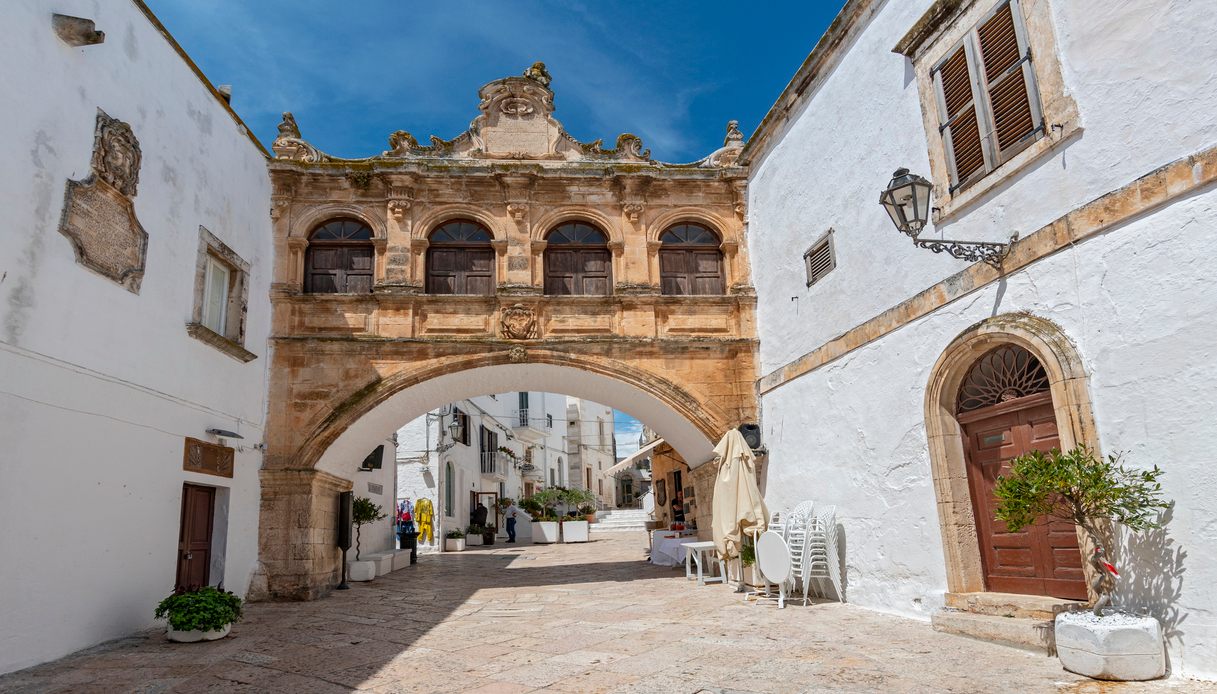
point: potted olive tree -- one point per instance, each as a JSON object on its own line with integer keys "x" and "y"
{"x": 545, "y": 528}
{"x": 1094, "y": 494}
{"x": 576, "y": 529}
{"x": 363, "y": 512}
{"x": 205, "y": 614}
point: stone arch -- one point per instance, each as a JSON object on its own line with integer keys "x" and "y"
{"x": 376, "y": 410}
{"x": 1071, "y": 402}
{"x": 690, "y": 214}
{"x": 317, "y": 215}
{"x": 437, "y": 216}
{"x": 558, "y": 216}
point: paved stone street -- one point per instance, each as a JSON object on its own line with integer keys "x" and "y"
{"x": 558, "y": 618}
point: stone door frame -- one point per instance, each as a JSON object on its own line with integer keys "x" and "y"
{"x": 1074, "y": 417}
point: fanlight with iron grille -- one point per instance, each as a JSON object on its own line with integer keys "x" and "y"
{"x": 1002, "y": 374}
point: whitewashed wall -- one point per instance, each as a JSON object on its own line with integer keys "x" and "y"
{"x": 99, "y": 386}
{"x": 1137, "y": 300}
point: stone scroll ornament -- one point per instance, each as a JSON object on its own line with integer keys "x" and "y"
{"x": 518, "y": 323}
{"x": 99, "y": 212}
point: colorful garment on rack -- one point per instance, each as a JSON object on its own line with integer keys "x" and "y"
{"x": 424, "y": 517}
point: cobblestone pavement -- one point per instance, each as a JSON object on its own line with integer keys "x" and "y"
{"x": 558, "y": 618}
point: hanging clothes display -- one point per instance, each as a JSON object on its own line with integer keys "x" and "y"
{"x": 405, "y": 516}
{"x": 424, "y": 518}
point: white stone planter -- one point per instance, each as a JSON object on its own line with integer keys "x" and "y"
{"x": 361, "y": 570}
{"x": 545, "y": 532}
{"x": 473, "y": 540}
{"x": 195, "y": 635}
{"x": 1112, "y": 647}
{"x": 454, "y": 544}
{"x": 574, "y": 531}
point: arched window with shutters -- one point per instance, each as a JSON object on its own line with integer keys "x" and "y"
{"x": 339, "y": 258}
{"x": 577, "y": 261}
{"x": 460, "y": 259}
{"x": 690, "y": 262}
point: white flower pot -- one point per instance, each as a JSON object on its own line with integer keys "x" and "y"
{"x": 545, "y": 532}
{"x": 1115, "y": 646}
{"x": 454, "y": 544}
{"x": 574, "y": 531}
{"x": 473, "y": 540}
{"x": 195, "y": 635}
{"x": 361, "y": 570}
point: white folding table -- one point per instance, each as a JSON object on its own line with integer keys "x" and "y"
{"x": 695, "y": 553}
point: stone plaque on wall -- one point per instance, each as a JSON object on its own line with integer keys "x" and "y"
{"x": 98, "y": 212}
{"x": 208, "y": 458}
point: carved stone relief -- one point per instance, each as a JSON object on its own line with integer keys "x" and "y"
{"x": 98, "y": 213}
{"x": 519, "y": 323}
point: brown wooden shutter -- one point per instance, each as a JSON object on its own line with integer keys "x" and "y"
{"x": 961, "y": 130}
{"x": 1008, "y": 86}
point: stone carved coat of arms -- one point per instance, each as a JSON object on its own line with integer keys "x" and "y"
{"x": 518, "y": 323}
{"x": 98, "y": 212}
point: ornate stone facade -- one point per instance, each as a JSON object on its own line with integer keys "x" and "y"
{"x": 517, "y": 173}
{"x": 98, "y": 212}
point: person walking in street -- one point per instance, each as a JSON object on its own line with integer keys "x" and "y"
{"x": 512, "y": 512}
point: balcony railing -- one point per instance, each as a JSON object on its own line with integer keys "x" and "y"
{"x": 494, "y": 463}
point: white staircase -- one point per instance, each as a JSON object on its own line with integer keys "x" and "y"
{"x": 621, "y": 520}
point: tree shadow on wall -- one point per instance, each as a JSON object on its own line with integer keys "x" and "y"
{"x": 1151, "y": 566}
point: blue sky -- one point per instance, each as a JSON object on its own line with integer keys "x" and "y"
{"x": 670, "y": 72}
{"x": 352, "y": 72}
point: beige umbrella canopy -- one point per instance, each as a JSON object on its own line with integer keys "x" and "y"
{"x": 737, "y": 499}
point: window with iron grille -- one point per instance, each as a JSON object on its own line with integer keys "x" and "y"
{"x": 488, "y": 445}
{"x": 820, "y": 259}
{"x": 988, "y": 103}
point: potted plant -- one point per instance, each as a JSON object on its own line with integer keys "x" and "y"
{"x": 473, "y": 535}
{"x": 545, "y": 528}
{"x": 454, "y": 541}
{"x": 363, "y": 511}
{"x": 205, "y": 614}
{"x": 1094, "y": 494}
{"x": 488, "y": 534}
{"x": 589, "y": 513}
{"x": 747, "y": 559}
{"x": 576, "y": 529}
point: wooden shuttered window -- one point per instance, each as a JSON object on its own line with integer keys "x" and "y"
{"x": 987, "y": 101}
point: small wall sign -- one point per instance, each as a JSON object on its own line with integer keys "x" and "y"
{"x": 208, "y": 458}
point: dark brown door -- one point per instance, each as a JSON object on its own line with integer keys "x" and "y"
{"x": 577, "y": 271}
{"x": 457, "y": 270}
{"x": 339, "y": 269}
{"x": 685, "y": 272}
{"x": 194, "y": 539}
{"x": 1041, "y": 559}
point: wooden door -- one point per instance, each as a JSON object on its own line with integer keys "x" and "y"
{"x": 339, "y": 269}
{"x": 1041, "y": 559}
{"x": 577, "y": 271}
{"x": 456, "y": 270}
{"x": 689, "y": 272}
{"x": 194, "y": 537}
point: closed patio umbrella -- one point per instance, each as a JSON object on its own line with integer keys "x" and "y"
{"x": 737, "y": 499}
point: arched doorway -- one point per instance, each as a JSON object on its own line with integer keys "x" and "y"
{"x": 1005, "y": 409}
{"x": 1007, "y": 385}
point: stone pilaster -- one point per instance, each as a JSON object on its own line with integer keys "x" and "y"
{"x": 298, "y": 533}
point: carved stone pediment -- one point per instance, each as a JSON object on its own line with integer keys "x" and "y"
{"x": 98, "y": 212}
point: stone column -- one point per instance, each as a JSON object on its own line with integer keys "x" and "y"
{"x": 298, "y": 533}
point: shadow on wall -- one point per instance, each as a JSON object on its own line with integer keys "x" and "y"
{"x": 1151, "y": 577}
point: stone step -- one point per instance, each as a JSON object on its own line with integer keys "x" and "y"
{"x": 1020, "y": 632}
{"x": 1011, "y": 605}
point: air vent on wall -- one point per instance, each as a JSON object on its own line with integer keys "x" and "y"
{"x": 820, "y": 259}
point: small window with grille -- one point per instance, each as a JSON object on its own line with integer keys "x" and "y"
{"x": 820, "y": 259}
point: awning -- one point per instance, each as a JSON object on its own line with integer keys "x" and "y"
{"x": 628, "y": 462}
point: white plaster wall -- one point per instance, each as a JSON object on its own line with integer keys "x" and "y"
{"x": 1151, "y": 105}
{"x": 1138, "y": 303}
{"x": 99, "y": 386}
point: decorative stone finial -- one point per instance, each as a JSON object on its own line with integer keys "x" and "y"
{"x": 288, "y": 127}
{"x": 734, "y": 136}
{"x": 538, "y": 73}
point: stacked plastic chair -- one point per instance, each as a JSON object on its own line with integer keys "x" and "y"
{"x": 811, "y": 536}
